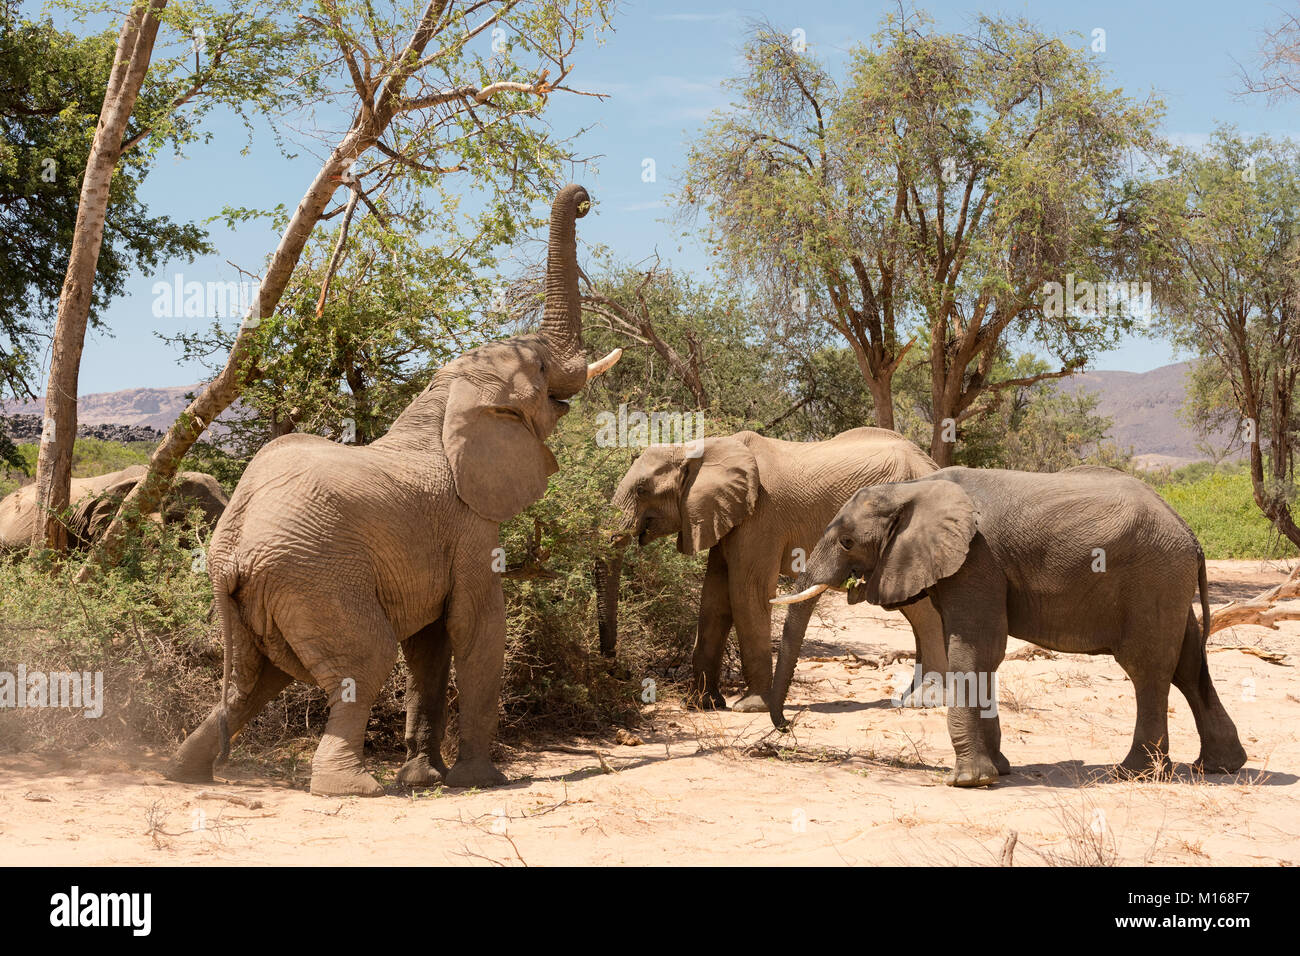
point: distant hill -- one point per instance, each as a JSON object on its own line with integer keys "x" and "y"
{"x": 152, "y": 407}
{"x": 1145, "y": 408}
{"x": 137, "y": 407}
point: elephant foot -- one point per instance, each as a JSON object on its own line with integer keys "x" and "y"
{"x": 193, "y": 760}
{"x": 475, "y": 773}
{"x": 1002, "y": 763}
{"x": 189, "y": 772}
{"x": 344, "y": 784}
{"x": 705, "y": 700}
{"x": 976, "y": 772}
{"x": 750, "y": 704}
{"x": 420, "y": 772}
{"x": 1142, "y": 763}
{"x": 1225, "y": 759}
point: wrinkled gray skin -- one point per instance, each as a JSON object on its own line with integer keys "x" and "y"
{"x": 332, "y": 559}
{"x": 751, "y": 502}
{"x": 95, "y": 500}
{"x": 1001, "y": 552}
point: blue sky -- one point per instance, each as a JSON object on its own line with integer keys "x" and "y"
{"x": 664, "y": 67}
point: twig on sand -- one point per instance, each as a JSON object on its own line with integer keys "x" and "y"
{"x": 230, "y": 798}
{"x": 1008, "y": 849}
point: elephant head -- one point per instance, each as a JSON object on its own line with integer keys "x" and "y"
{"x": 887, "y": 544}
{"x": 194, "y": 489}
{"x": 698, "y": 491}
{"x": 503, "y": 399}
{"x": 91, "y": 514}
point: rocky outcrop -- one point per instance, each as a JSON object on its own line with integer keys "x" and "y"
{"x": 25, "y": 429}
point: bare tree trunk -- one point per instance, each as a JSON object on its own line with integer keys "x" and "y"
{"x": 882, "y": 397}
{"x": 368, "y": 125}
{"x": 54, "y": 464}
{"x": 605, "y": 574}
{"x": 221, "y": 392}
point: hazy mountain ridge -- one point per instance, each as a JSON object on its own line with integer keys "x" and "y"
{"x": 152, "y": 407}
{"x": 1146, "y": 411}
{"x": 1144, "y": 407}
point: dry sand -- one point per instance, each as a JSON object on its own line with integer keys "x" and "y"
{"x": 860, "y": 782}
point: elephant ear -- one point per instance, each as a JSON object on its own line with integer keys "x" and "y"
{"x": 933, "y": 524}
{"x": 92, "y": 513}
{"x": 719, "y": 490}
{"x": 500, "y": 467}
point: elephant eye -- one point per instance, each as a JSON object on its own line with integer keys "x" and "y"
{"x": 846, "y": 543}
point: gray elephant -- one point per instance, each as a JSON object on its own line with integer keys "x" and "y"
{"x": 94, "y": 502}
{"x": 758, "y": 505}
{"x": 1084, "y": 561}
{"x": 331, "y": 557}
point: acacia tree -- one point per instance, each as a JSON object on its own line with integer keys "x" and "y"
{"x": 238, "y": 55}
{"x": 431, "y": 107}
{"x": 1229, "y": 243}
{"x": 928, "y": 201}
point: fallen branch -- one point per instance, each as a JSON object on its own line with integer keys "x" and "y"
{"x": 1262, "y": 610}
{"x": 1269, "y": 656}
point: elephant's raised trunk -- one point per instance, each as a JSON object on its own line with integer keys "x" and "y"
{"x": 562, "y": 315}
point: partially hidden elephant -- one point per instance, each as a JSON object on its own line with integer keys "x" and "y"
{"x": 758, "y": 505}
{"x": 94, "y": 501}
{"x": 332, "y": 557}
{"x": 1084, "y": 561}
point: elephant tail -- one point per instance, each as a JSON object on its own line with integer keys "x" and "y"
{"x": 1206, "y": 684}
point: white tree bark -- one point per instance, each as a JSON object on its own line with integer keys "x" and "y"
{"x": 54, "y": 463}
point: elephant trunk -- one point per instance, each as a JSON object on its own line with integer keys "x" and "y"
{"x": 562, "y": 315}
{"x": 823, "y": 571}
{"x": 796, "y": 623}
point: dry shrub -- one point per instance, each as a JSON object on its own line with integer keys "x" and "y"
{"x": 147, "y": 627}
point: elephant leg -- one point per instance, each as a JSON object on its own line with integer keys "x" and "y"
{"x": 711, "y": 635}
{"x": 428, "y": 662}
{"x": 1150, "y": 749}
{"x": 192, "y": 763}
{"x": 972, "y": 660}
{"x": 750, "y": 591}
{"x": 1221, "y": 750}
{"x": 992, "y": 727}
{"x": 931, "y": 656}
{"x": 352, "y": 674}
{"x": 990, "y": 721}
{"x": 476, "y": 622}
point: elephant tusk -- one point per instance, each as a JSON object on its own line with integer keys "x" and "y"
{"x": 601, "y": 366}
{"x": 804, "y": 595}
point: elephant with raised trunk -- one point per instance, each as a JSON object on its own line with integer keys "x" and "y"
{"x": 95, "y": 500}
{"x": 1084, "y": 561}
{"x": 758, "y": 505}
{"x": 332, "y": 559}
